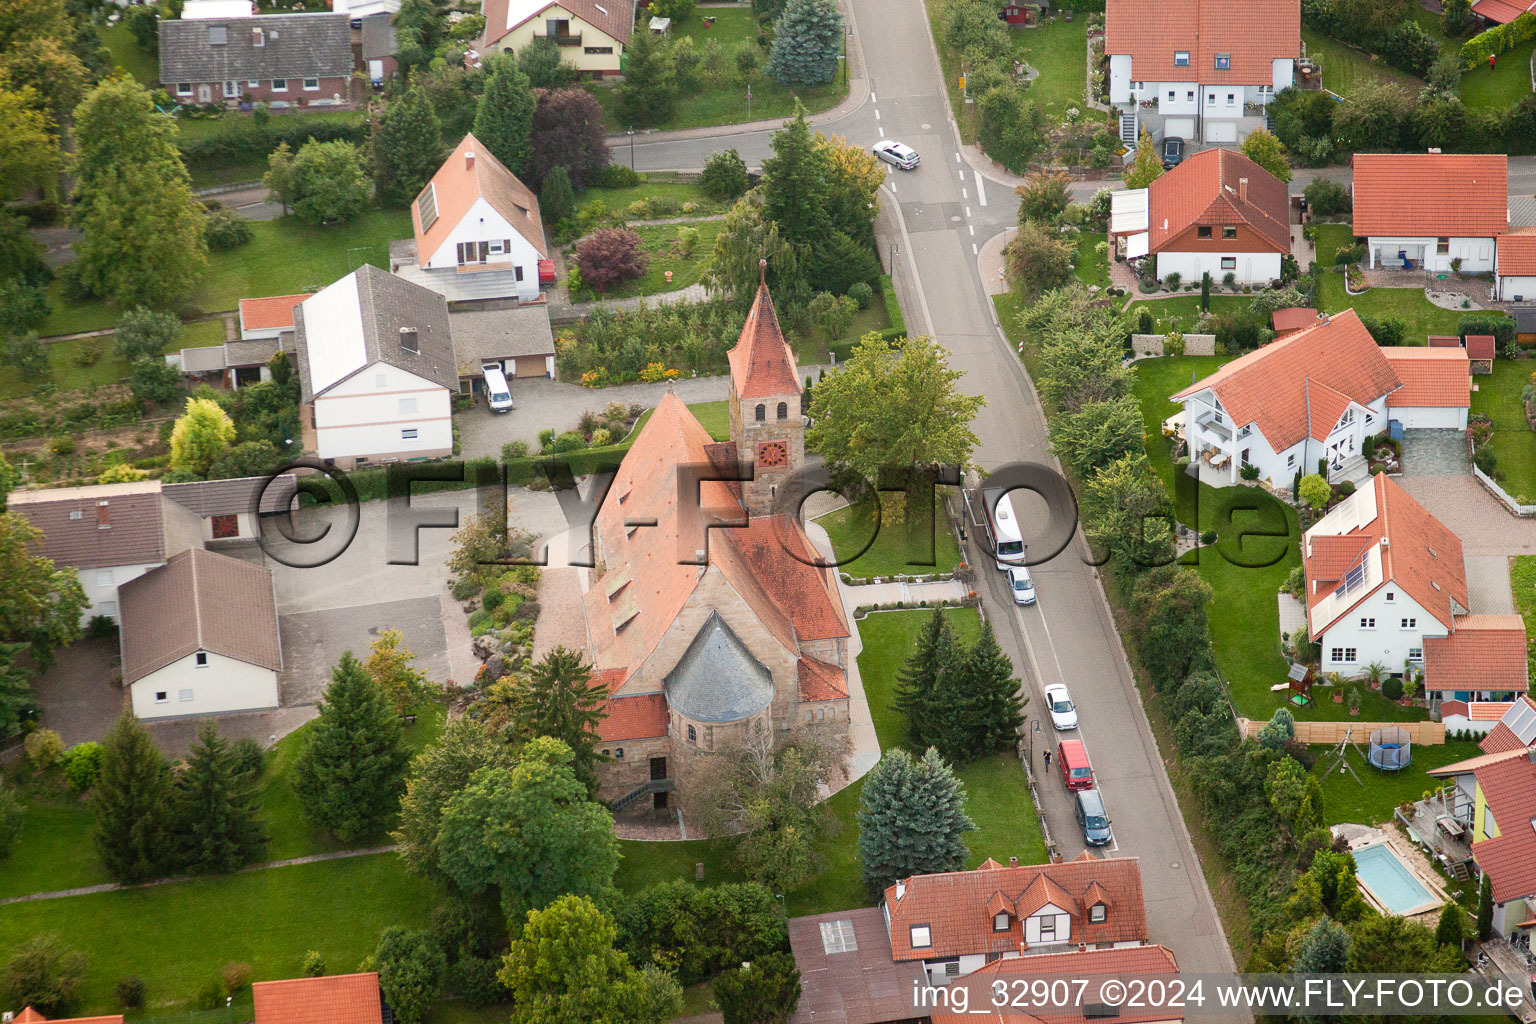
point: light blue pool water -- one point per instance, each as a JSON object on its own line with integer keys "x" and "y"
{"x": 1390, "y": 881}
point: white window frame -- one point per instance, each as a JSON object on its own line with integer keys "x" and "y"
{"x": 279, "y": 85}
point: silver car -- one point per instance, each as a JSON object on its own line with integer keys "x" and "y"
{"x": 898, "y": 154}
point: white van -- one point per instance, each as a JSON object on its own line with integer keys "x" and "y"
{"x": 498, "y": 394}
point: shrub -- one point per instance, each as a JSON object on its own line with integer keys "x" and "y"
{"x": 610, "y": 256}
{"x": 82, "y": 765}
{"x": 226, "y": 230}
{"x": 130, "y": 992}
{"x": 1392, "y": 688}
{"x": 314, "y": 964}
{"x": 44, "y": 748}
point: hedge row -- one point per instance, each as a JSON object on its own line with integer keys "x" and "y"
{"x": 1499, "y": 39}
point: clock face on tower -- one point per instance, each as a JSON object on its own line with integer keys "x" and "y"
{"x": 772, "y": 453}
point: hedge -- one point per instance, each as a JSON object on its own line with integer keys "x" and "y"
{"x": 241, "y": 139}
{"x": 1499, "y": 39}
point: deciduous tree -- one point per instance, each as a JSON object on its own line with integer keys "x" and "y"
{"x": 504, "y": 116}
{"x": 406, "y": 147}
{"x": 202, "y": 433}
{"x": 806, "y": 42}
{"x": 912, "y": 820}
{"x": 131, "y": 802}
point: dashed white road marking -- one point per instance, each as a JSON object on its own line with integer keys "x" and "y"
{"x": 981, "y": 191}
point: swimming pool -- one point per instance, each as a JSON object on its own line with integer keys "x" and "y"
{"x": 1389, "y": 881}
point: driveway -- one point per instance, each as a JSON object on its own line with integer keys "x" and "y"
{"x": 1435, "y": 453}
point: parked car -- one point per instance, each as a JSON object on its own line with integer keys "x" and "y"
{"x": 1022, "y": 585}
{"x": 1059, "y": 703}
{"x": 1173, "y": 152}
{"x": 1092, "y": 819}
{"x": 498, "y": 394}
{"x": 1076, "y": 772}
{"x": 899, "y": 154}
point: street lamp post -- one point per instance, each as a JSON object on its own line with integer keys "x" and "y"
{"x": 631, "y": 148}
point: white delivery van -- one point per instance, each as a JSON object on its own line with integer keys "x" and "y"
{"x": 497, "y": 392}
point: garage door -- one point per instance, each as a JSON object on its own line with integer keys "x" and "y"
{"x": 1221, "y": 131}
{"x": 530, "y": 366}
{"x": 1179, "y": 128}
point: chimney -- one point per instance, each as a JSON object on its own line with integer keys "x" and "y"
{"x": 1242, "y": 189}
{"x": 1013, "y": 862}
{"x": 469, "y": 160}
{"x": 409, "y": 340}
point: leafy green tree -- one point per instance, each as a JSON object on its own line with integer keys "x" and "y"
{"x": 807, "y": 39}
{"x": 46, "y": 975}
{"x": 328, "y": 183}
{"x": 563, "y": 969}
{"x": 725, "y": 175}
{"x": 439, "y": 772}
{"x": 352, "y": 767}
{"x": 765, "y": 991}
{"x": 557, "y": 200}
{"x": 912, "y": 820}
{"x": 1146, "y": 166}
{"x": 410, "y": 967}
{"x": 1268, "y": 152}
{"x": 144, "y": 332}
{"x": 40, "y": 604}
{"x": 558, "y": 699}
{"x": 218, "y": 812}
{"x": 1096, "y": 434}
{"x": 141, "y": 222}
{"x": 201, "y": 434}
{"x": 1038, "y": 259}
{"x": 649, "y": 90}
{"x": 131, "y": 802}
{"x": 1324, "y": 949}
{"x": 504, "y": 115}
{"x": 532, "y": 832}
{"x": 1315, "y": 491}
{"x": 748, "y": 236}
{"x": 407, "y": 147}
{"x": 1043, "y": 196}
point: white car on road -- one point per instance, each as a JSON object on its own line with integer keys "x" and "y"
{"x": 899, "y": 154}
{"x": 1059, "y": 703}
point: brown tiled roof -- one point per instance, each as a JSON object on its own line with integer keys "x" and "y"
{"x": 1486, "y": 652}
{"x": 1509, "y": 786}
{"x": 1254, "y": 35}
{"x": 338, "y": 999}
{"x": 639, "y": 717}
{"x": 1439, "y": 194}
{"x": 1293, "y": 318}
{"x": 820, "y": 681}
{"x": 761, "y": 361}
{"x": 953, "y": 905}
{"x": 1091, "y": 965}
{"x": 105, "y": 524}
{"x": 1272, "y": 387}
{"x": 1206, "y": 190}
{"x": 457, "y": 185}
{"x": 198, "y": 601}
{"x": 1480, "y": 346}
{"x": 613, "y": 17}
{"x": 270, "y": 313}
{"x": 1517, "y": 254}
{"x": 856, "y": 985}
{"x": 1432, "y": 377}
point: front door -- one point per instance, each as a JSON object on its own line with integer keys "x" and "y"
{"x": 658, "y": 769}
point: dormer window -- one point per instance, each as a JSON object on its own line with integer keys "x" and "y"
{"x": 1223, "y": 62}
{"x": 1181, "y": 58}
{"x": 922, "y": 936}
{"x": 1097, "y": 913}
{"x": 1000, "y": 922}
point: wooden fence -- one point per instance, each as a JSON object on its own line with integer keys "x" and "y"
{"x": 1428, "y": 733}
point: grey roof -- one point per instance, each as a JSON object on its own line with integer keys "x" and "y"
{"x": 501, "y": 334}
{"x": 378, "y": 36}
{"x": 717, "y": 679}
{"x": 235, "y": 495}
{"x": 317, "y": 45}
{"x": 389, "y": 303}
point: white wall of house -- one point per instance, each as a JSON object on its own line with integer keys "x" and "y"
{"x": 1248, "y": 266}
{"x": 483, "y": 224}
{"x": 100, "y": 586}
{"x": 370, "y": 415}
{"x": 1476, "y": 254}
{"x": 1517, "y": 289}
{"x": 1429, "y": 417}
{"x": 221, "y": 685}
{"x": 1373, "y": 631}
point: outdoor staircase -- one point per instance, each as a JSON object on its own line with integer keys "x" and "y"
{"x": 640, "y": 792}
{"x": 1128, "y": 129}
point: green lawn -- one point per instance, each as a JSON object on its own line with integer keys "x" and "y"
{"x": 849, "y": 529}
{"x": 1498, "y": 396}
{"x": 1090, "y": 266}
{"x": 1059, "y": 51}
{"x": 177, "y": 937}
{"x": 1371, "y": 803}
{"x": 660, "y": 243}
{"x": 1346, "y": 68}
{"x": 1409, "y": 305}
{"x": 1507, "y": 84}
{"x": 127, "y": 55}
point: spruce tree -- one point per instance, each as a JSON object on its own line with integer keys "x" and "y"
{"x": 131, "y": 800}
{"x": 557, "y": 200}
{"x": 407, "y": 148}
{"x": 807, "y": 40}
{"x": 504, "y": 116}
{"x": 218, "y": 822}
{"x": 911, "y": 820}
{"x": 998, "y": 708}
{"x": 649, "y": 89}
{"x": 352, "y": 770}
{"x": 918, "y": 678}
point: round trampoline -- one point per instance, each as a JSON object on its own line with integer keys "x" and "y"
{"x": 1391, "y": 748}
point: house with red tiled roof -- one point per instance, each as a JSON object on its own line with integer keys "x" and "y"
{"x": 1216, "y": 213}
{"x": 1312, "y": 394}
{"x": 708, "y": 618}
{"x": 591, "y": 34}
{"x": 1198, "y": 69}
{"x": 1437, "y": 386}
{"x": 334, "y": 999}
{"x": 1431, "y": 211}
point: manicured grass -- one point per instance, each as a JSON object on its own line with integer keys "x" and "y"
{"x": 66, "y": 372}
{"x": 1346, "y": 69}
{"x": 660, "y": 243}
{"x": 1058, "y": 49}
{"x": 1184, "y": 309}
{"x": 1507, "y": 84}
{"x": 849, "y": 529}
{"x": 1090, "y": 266}
{"x": 1514, "y": 446}
{"x": 617, "y": 200}
{"x": 1371, "y": 803}
{"x": 127, "y": 55}
{"x": 1330, "y": 239}
{"x": 1409, "y": 305}
{"x": 177, "y": 937}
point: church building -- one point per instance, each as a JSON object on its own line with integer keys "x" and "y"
{"x": 706, "y": 619}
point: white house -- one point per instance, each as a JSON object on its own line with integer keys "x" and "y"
{"x": 478, "y": 231}
{"x": 1216, "y": 213}
{"x": 1312, "y": 394}
{"x": 110, "y": 534}
{"x": 376, "y": 369}
{"x": 1516, "y": 274}
{"x": 199, "y": 636}
{"x": 1198, "y": 69}
{"x": 1432, "y": 211}
{"x": 1383, "y": 578}
{"x": 1437, "y": 386}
